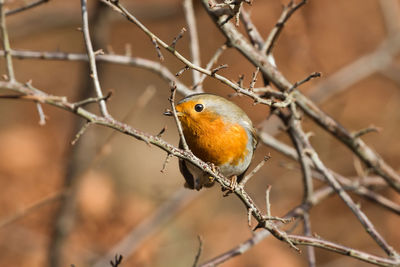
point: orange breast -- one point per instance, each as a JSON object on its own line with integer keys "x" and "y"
{"x": 213, "y": 140}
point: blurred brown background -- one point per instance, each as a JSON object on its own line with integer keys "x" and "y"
{"x": 124, "y": 185}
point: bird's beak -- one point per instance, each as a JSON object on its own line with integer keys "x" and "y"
{"x": 169, "y": 113}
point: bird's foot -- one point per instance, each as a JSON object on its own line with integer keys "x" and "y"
{"x": 231, "y": 187}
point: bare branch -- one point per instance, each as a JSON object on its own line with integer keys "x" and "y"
{"x": 308, "y": 78}
{"x": 367, "y": 130}
{"x": 365, "y": 153}
{"x": 42, "y": 116}
{"x": 139, "y": 233}
{"x": 210, "y": 64}
{"x": 320, "y": 167}
{"x": 177, "y": 121}
{"x": 196, "y": 259}
{"x": 377, "y": 61}
{"x": 153, "y": 66}
{"x": 31, "y": 208}
{"x": 254, "y": 171}
{"x": 159, "y": 54}
{"x": 81, "y": 132}
{"x": 6, "y": 43}
{"x": 307, "y": 232}
{"x": 194, "y": 41}
{"x": 26, "y": 7}
{"x": 251, "y": 30}
{"x": 274, "y": 34}
{"x": 92, "y": 60}
{"x": 220, "y": 67}
{"x": 225, "y": 183}
{"x": 178, "y": 37}
{"x": 122, "y": 10}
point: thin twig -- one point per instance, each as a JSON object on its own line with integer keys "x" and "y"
{"x": 132, "y": 240}
{"x": 150, "y": 65}
{"x": 254, "y": 171}
{"x": 92, "y": 60}
{"x": 220, "y": 67}
{"x": 42, "y": 116}
{"x": 254, "y": 79}
{"x": 251, "y": 30}
{"x": 92, "y": 100}
{"x": 180, "y": 72}
{"x": 302, "y": 157}
{"x": 370, "y": 129}
{"x": 117, "y": 260}
{"x": 194, "y": 41}
{"x": 274, "y": 34}
{"x": 177, "y": 38}
{"x": 309, "y": 77}
{"x": 166, "y": 161}
{"x": 158, "y": 50}
{"x": 31, "y": 208}
{"x": 199, "y": 251}
{"x": 307, "y": 232}
{"x": 81, "y": 132}
{"x": 26, "y": 7}
{"x": 117, "y": 6}
{"x": 6, "y": 43}
{"x": 267, "y": 202}
{"x": 175, "y": 115}
{"x": 210, "y": 64}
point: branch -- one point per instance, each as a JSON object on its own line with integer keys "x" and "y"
{"x": 361, "y": 189}
{"x": 153, "y": 66}
{"x": 116, "y": 5}
{"x": 154, "y": 140}
{"x": 140, "y": 233}
{"x": 31, "y": 208}
{"x": 92, "y": 61}
{"x": 274, "y": 34}
{"x": 194, "y": 40}
{"x": 365, "y": 153}
{"x": 296, "y": 130}
{"x": 6, "y": 43}
{"x": 296, "y": 212}
{"x": 26, "y": 7}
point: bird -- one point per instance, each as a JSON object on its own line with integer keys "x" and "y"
{"x": 218, "y": 132}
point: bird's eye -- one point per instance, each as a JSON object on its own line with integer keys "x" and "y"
{"x": 199, "y": 107}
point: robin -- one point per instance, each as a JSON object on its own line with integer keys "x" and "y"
{"x": 217, "y": 131}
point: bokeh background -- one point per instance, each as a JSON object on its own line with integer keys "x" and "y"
{"x": 118, "y": 181}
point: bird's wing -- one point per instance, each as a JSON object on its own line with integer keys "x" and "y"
{"x": 185, "y": 171}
